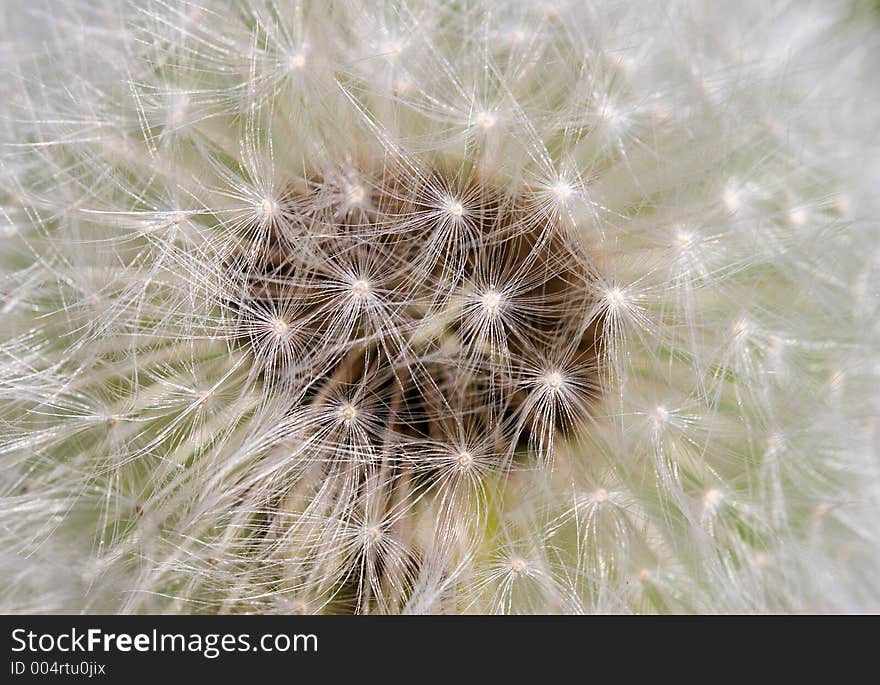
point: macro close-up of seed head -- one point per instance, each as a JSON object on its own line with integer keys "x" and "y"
{"x": 439, "y": 307}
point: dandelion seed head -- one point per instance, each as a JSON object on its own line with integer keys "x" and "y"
{"x": 286, "y": 338}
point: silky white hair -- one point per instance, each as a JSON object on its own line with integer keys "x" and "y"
{"x": 411, "y": 307}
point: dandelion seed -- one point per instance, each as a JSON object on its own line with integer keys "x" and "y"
{"x": 732, "y": 199}
{"x": 712, "y": 499}
{"x": 616, "y": 299}
{"x": 684, "y": 240}
{"x": 280, "y": 326}
{"x": 608, "y": 113}
{"x": 178, "y": 116}
{"x": 775, "y": 442}
{"x": 661, "y": 114}
{"x": 300, "y": 608}
{"x": 835, "y": 384}
{"x": 741, "y": 329}
{"x": 361, "y": 289}
{"x": 600, "y": 496}
{"x": 454, "y": 209}
{"x": 562, "y": 191}
{"x": 355, "y": 196}
{"x": 348, "y": 412}
{"x": 486, "y": 120}
{"x": 842, "y": 204}
{"x": 796, "y": 216}
{"x": 661, "y": 415}
{"x": 491, "y": 301}
{"x": 759, "y": 560}
{"x": 268, "y": 208}
{"x": 296, "y": 62}
{"x": 392, "y": 50}
{"x": 553, "y": 380}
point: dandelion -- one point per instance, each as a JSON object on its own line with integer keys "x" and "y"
{"x": 418, "y": 308}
